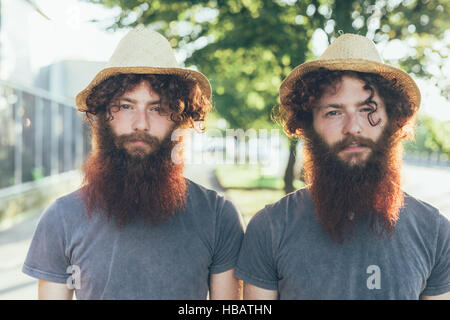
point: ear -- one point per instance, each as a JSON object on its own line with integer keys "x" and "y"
{"x": 407, "y": 129}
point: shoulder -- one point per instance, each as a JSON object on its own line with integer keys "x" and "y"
{"x": 420, "y": 207}
{"x": 293, "y": 206}
{"x": 423, "y": 217}
{"x": 197, "y": 190}
{"x": 65, "y": 209}
{"x": 205, "y": 199}
{"x": 211, "y": 214}
{"x": 421, "y": 211}
{"x": 290, "y": 211}
{"x": 299, "y": 200}
{"x": 72, "y": 200}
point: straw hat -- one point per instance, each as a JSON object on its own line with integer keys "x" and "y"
{"x": 142, "y": 51}
{"x": 356, "y": 53}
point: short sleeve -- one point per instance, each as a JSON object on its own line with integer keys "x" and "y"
{"x": 256, "y": 263}
{"x": 46, "y": 258}
{"x": 228, "y": 238}
{"x": 439, "y": 280}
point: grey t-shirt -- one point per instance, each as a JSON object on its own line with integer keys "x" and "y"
{"x": 286, "y": 249}
{"x": 170, "y": 261}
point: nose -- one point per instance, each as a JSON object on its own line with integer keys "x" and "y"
{"x": 352, "y": 125}
{"x": 140, "y": 121}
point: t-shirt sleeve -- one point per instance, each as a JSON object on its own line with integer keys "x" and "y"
{"x": 46, "y": 258}
{"x": 256, "y": 263}
{"x": 228, "y": 238}
{"x": 439, "y": 280}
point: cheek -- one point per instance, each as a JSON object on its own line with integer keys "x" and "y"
{"x": 115, "y": 125}
{"x": 162, "y": 127}
{"x": 330, "y": 132}
{"x": 120, "y": 124}
{"x": 376, "y": 131}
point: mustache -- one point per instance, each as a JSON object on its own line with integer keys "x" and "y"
{"x": 137, "y": 136}
{"x": 352, "y": 139}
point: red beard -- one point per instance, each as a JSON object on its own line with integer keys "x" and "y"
{"x": 125, "y": 187}
{"x": 343, "y": 194}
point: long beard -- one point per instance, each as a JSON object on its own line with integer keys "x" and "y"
{"x": 128, "y": 186}
{"x": 344, "y": 194}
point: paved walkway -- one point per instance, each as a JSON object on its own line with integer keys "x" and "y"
{"x": 429, "y": 184}
{"x": 203, "y": 175}
{"x": 14, "y": 243}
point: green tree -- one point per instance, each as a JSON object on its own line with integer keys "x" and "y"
{"x": 247, "y": 47}
{"x": 431, "y": 136}
{"x": 438, "y": 137}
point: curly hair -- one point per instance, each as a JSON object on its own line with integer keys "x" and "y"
{"x": 296, "y": 116}
{"x": 186, "y": 102}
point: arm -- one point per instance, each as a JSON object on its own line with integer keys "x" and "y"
{"x": 444, "y": 296}
{"x": 252, "y": 292}
{"x": 54, "y": 291}
{"x": 225, "y": 286}
{"x": 440, "y": 274}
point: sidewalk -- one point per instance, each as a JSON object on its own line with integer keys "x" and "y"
{"x": 429, "y": 184}
{"x": 14, "y": 243}
{"x": 203, "y": 175}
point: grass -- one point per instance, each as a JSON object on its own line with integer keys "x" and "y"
{"x": 249, "y": 177}
{"x": 249, "y": 189}
{"x": 250, "y": 202}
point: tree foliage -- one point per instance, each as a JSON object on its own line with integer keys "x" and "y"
{"x": 247, "y": 47}
{"x": 431, "y": 136}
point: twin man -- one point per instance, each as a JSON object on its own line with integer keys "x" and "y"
{"x": 138, "y": 229}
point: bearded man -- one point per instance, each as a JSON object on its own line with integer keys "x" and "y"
{"x": 351, "y": 233}
{"x": 138, "y": 229}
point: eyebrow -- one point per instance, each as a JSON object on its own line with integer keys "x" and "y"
{"x": 341, "y": 106}
{"x": 332, "y": 105}
{"x": 135, "y": 101}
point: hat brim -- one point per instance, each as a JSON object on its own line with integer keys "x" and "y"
{"x": 388, "y": 72}
{"x": 104, "y": 74}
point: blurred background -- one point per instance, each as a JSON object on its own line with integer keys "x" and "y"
{"x": 50, "y": 50}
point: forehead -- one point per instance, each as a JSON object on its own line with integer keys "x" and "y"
{"x": 348, "y": 90}
{"x": 143, "y": 88}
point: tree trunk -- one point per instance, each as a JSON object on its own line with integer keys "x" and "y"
{"x": 289, "y": 173}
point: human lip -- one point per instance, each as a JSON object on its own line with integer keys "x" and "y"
{"x": 139, "y": 143}
{"x": 354, "y": 147}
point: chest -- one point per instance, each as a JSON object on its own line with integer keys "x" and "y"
{"x": 140, "y": 262}
{"x": 366, "y": 268}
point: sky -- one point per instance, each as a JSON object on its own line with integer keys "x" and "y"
{"x": 69, "y": 34}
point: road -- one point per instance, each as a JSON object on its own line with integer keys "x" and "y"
{"x": 428, "y": 184}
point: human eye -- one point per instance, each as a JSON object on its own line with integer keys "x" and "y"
{"x": 370, "y": 106}
{"x": 119, "y": 107}
{"x": 158, "y": 109}
{"x": 124, "y": 106}
{"x": 332, "y": 113}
